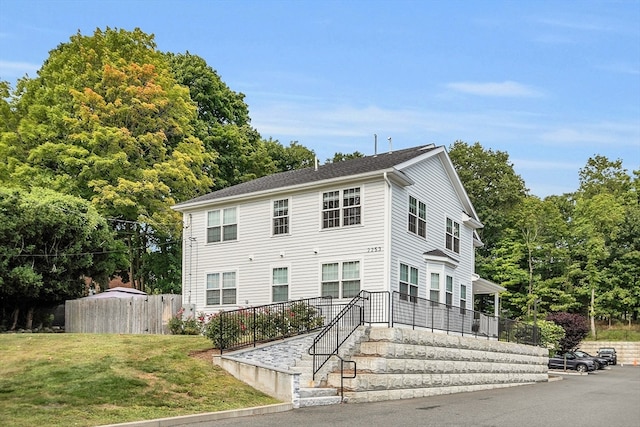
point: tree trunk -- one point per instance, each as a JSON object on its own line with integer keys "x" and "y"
{"x": 15, "y": 314}
{"x": 29, "y": 323}
{"x": 592, "y": 310}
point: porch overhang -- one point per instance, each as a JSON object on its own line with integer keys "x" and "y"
{"x": 485, "y": 287}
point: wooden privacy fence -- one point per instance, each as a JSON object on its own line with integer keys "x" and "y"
{"x": 149, "y": 314}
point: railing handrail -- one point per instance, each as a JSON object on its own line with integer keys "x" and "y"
{"x": 317, "y": 365}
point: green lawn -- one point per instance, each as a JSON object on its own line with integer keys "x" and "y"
{"x": 92, "y": 379}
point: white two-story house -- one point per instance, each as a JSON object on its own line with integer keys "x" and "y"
{"x": 397, "y": 221}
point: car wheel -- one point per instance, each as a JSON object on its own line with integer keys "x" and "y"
{"x": 581, "y": 368}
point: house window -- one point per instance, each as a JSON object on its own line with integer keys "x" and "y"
{"x": 434, "y": 291}
{"x": 453, "y": 236}
{"x": 449, "y": 291}
{"x": 281, "y": 217}
{"x": 346, "y": 202}
{"x": 463, "y": 299}
{"x": 280, "y": 284}
{"x": 341, "y": 280}
{"x": 221, "y": 293}
{"x": 408, "y": 283}
{"x": 351, "y": 206}
{"x": 222, "y": 225}
{"x": 417, "y": 217}
{"x": 331, "y": 209}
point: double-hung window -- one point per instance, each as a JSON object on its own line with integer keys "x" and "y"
{"x": 408, "y": 283}
{"x": 452, "y": 238}
{"x": 222, "y": 225}
{"x": 449, "y": 291}
{"x": 341, "y": 208}
{"x": 221, "y": 288}
{"x": 280, "y": 217}
{"x": 341, "y": 280}
{"x": 417, "y": 217}
{"x": 434, "y": 291}
{"x": 463, "y": 299}
{"x": 280, "y": 284}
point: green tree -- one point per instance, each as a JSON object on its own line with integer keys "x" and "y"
{"x": 340, "y": 157}
{"x": 295, "y": 156}
{"x": 492, "y": 185}
{"x": 51, "y": 242}
{"x": 107, "y": 121}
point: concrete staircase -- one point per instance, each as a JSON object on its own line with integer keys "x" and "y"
{"x": 392, "y": 363}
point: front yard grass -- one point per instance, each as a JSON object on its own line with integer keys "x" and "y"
{"x": 96, "y": 379}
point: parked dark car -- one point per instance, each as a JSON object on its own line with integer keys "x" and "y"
{"x": 609, "y": 353}
{"x": 600, "y": 361}
{"x": 571, "y": 361}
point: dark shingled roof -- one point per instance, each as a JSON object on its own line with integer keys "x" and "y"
{"x": 329, "y": 171}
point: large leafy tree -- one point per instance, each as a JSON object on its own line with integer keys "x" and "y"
{"x": 606, "y": 243}
{"x": 492, "y": 185}
{"x": 107, "y": 121}
{"x": 50, "y": 243}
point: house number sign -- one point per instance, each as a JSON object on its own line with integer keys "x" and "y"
{"x": 374, "y": 249}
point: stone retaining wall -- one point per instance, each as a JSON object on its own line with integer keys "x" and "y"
{"x": 628, "y": 352}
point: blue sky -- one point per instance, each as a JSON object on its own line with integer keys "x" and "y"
{"x": 552, "y": 83}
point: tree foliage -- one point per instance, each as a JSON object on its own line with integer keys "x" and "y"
{"x": 576, "y": 328}
{"x": 51, "y": 242}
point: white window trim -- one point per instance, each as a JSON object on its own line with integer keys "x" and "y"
{"x": 288, "y": 233}
{"x": 340, "y": 278}
{"x": 446, "y": 234}
{"x": 271, "y": 268}
{"x": 221, "y": 210}
{"x": 418, "y": 201}
{"x": 221, "y": 272}
{"x": 416, "y": 285}
{"x": 341, "y": 208}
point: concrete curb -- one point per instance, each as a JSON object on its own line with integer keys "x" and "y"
{"x": 204, "y": 419}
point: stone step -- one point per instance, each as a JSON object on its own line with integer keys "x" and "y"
{"x": 375, "y": 382}
{"x": 317, "y": 392}
{"x": 411, "y": 393}
{"x": 320, "y": 401}
{"x": 395, "y": 350}
{"x": 429, "y": 366}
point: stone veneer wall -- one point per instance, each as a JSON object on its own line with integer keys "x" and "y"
{"x": 628, "y": 352}
{"x": 398, "y": 363}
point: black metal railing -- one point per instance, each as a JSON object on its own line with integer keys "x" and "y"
{"x": 423, "y": 313}
{"x": 249, "y": 326}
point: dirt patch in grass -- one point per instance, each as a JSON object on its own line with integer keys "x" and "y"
{"x": 206, "y": 355}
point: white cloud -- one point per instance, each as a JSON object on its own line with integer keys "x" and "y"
{"x": 503, "y": 89}
{"x": 17, "y": 68}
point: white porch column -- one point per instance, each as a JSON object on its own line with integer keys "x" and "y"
{"x": 496, "y": 300}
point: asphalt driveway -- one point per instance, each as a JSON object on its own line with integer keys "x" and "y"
{"x": 609, "y": 398}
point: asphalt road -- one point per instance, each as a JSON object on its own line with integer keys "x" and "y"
{"x": 608, "y": 398}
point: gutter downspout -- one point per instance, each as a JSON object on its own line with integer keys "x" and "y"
{"x": 388, "y": 209}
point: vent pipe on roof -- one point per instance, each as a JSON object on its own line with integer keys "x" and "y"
{"x": 375, "y": 145}
{"x": 390, "y": 145}
{"x": 315, "y": 162}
